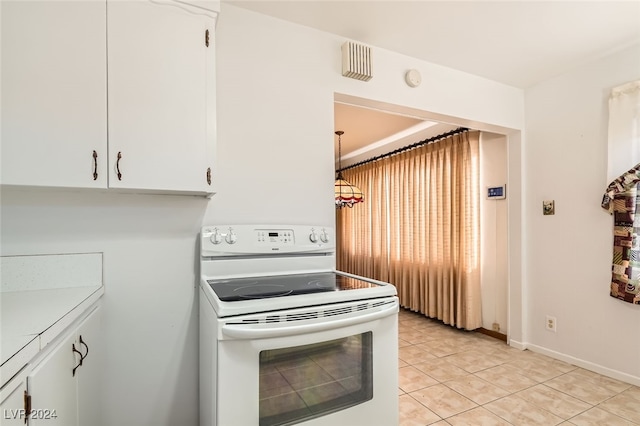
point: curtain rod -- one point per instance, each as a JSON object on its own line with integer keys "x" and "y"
{"x": 407, "y": 147}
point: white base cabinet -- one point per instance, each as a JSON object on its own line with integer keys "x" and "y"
{"x": 90, "y": 374}
{"x": 67, "y": 381}
{"x": 12, "y": 407}
{"x": 109, "y": 94}
{"x": 64, "y": 385}
{"x": 52, "y": 387}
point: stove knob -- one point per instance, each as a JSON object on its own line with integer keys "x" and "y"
{"x": 231, "y": 237}
{"x": 216, "y": 237}
{"x": 313, "y": 237}
{"x": 324, "y": 237}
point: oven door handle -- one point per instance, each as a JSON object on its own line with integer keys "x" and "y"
{"x": 251, "y": 332}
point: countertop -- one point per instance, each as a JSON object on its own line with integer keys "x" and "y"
{"x": 33, "y": 314}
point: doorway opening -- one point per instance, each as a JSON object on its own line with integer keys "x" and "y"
{"x": 373, "y": 128}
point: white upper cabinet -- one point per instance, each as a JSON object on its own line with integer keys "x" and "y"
{"x": 54, "y": 93}
{"x": 132, "y": 81}
{"x": 161, "y": 69}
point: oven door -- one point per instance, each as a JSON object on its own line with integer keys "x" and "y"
{"x": 328, "y": 365}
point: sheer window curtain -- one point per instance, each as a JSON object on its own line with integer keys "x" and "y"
{"x": 419, "y": 228}
{"x": 624, "y": 129}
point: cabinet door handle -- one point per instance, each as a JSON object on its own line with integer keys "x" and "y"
{"x": 86, "y": 347}
{"x": 209, "y": 176}
{"x": 27, "y": 406}
{"x": 74, "y": 350}
{"x": 118, "y": 165}
{"x": 95, "y": 165}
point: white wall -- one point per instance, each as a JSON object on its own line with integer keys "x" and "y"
{"x": 493, "y": 234}
{"x": 568, "y": 256}
{"x": 275, "y": 122}
{"x": 276, "y": 85}
{"x": 150, "y": 315}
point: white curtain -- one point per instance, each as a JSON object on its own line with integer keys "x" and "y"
{"x": 624, "y": 129}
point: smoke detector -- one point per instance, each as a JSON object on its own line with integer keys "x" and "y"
{"x": 413, "y": 78}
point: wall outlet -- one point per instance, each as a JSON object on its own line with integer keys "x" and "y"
{"x": 551, "y": 323}
{"x": 495, "y": 326}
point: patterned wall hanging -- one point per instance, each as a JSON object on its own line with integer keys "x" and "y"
{"x": 622, "y": 199}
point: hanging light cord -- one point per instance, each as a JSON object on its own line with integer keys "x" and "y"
{"x": 339, "y": 133}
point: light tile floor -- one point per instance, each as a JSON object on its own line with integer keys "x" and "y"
{"x": 453, "y": 377}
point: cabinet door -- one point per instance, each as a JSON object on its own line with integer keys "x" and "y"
{"x": 159, "y": 71}
{"x": 12, "y": 407}
{"x": 54, "y": 110}
{"x": 53, "y": 387}
{"x": 90, "y": 374}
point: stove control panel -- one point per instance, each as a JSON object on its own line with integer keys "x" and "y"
{"x": 230, "y": 240}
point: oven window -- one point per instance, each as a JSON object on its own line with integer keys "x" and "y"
{"x": 303, "y": 382}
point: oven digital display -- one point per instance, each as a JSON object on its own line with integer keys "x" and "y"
{"x": 275, "y": 237}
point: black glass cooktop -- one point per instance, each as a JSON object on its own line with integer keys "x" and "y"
{"x": 284, "y": 285}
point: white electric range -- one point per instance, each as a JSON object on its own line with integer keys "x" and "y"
{"x": 285, "y": 338}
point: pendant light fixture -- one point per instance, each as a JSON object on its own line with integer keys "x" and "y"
{"x": 345, "y": 193}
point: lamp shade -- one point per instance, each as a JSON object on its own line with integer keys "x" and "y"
{"x": 346, "y": 194}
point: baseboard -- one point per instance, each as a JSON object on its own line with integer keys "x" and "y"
{"x": 494, "y": 334}
{"x": 517, "y": 345}
{"x": 587, "y": 365}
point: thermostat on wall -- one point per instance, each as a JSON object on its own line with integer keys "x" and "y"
{"x": 497, "y": 192}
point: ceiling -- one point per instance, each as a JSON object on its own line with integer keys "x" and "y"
{"x": 371, "y": 132}
{"x": 518, "y": 43}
